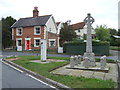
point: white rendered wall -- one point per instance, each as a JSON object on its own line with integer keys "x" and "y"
{"x": 59, "y": 27}
{"x": 84, "y": 31}
{"x": 51, "y": 25}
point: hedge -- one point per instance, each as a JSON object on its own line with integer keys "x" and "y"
{"x": 116, "y": 43}
{"x": 99, "y": 48}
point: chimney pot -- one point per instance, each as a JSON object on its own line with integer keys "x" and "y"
{"x": 35, "y": 8}
{"x": 35, "y": 12}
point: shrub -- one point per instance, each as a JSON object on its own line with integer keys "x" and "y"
{"x": 99, "y": 48}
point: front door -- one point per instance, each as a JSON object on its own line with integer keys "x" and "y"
{"x": 28, "y": 45}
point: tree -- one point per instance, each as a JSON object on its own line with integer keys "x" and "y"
{"x": 102, "y": 33}
{"x": 118, "y": 32}
{"x": 7, "y": 31}
{"x": 112, "y": 31}
{"x": 67, "y": 33}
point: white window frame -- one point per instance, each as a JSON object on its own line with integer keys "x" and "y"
{"x": 17, "y": 31}
{"x": 52, "y": 40}
{"x": 17, "y": 41}
{"x": 35, "y": 42}
{"x": 35, "y": 30}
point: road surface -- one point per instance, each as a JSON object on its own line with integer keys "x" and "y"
{"x": 5, "y": 54}
{"x": 12, "y": 78}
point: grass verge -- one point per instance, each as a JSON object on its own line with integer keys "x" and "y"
{"x": 71, "y": 81}
{"x": 108, "y": 60}
{"x": 114, "y": 48}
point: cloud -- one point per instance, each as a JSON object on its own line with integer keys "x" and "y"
{"x": 62, "y": 10}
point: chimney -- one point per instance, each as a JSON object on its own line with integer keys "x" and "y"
{"x": 35, "y": 12}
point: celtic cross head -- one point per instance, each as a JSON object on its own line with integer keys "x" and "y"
{"x": 89, "y": 19}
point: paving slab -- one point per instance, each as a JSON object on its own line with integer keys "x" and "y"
{"x": 99, "y": 75}
{"x": 110, "y": 77}
{"x": 87, "y": 74}
{"x": 112, "y": 74}
{"x": 76, "y": 72}
{"x": 112, "y": 68}
{"x": 64, "y": 72}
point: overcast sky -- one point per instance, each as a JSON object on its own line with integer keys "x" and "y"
{"x": 103, "y": 11}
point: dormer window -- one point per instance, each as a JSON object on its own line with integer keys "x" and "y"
{"x": 37, "y": 30}
{"x": 19, "y": 31}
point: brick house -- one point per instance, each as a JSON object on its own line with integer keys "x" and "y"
{"x": 27, "y": 32}
{"x": 81, "y": 30}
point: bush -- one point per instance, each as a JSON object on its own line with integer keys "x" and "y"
{"x": 99, "y": 48}
{"x": 84, "y": 43}
{"x": 115, "y": 43}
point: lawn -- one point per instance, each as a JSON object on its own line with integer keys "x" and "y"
{"x": 114, "y": 48}
{"x": 71, "y": 81}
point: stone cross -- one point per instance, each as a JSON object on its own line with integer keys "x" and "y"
{"x": 89, "y": 21}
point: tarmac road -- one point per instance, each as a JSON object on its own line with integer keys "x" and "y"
{"x": 116, "y": 54}
{"x": 12, "y": 78}
{"x": 5, "y": 53}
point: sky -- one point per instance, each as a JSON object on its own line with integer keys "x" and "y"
{"x": 103, "y": 11}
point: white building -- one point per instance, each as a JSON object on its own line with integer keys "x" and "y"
{"x": 59, "y": 26}
{"x": 81, "y": 30}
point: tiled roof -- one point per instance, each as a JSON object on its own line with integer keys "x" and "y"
{"x": 78, "y": 25}
{"x": 31, "y": 21}
{"x": 57, "y": 23}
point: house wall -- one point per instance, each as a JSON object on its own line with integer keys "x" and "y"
{"x": 51, "y": 26}
{"x": 27, "y": 32}
{"x": 59, "y": 27}
{"x": 52, "y": 30}
{"x": 52, "y": 36}
{"x": 58, "y": 32}
{"x": 84, "y": 31}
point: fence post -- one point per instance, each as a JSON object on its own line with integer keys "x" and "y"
{"x": 118, "y": 79}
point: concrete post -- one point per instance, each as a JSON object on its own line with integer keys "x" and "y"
{"x": 79, "y": 59}
{"x": 72, "y": 63}
{"x": 43, "y": 49}
{"x": 103, "y": 62}
{"x": 76, "y": 60}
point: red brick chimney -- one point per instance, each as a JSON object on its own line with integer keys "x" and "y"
{"x": 35, "y": 12}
